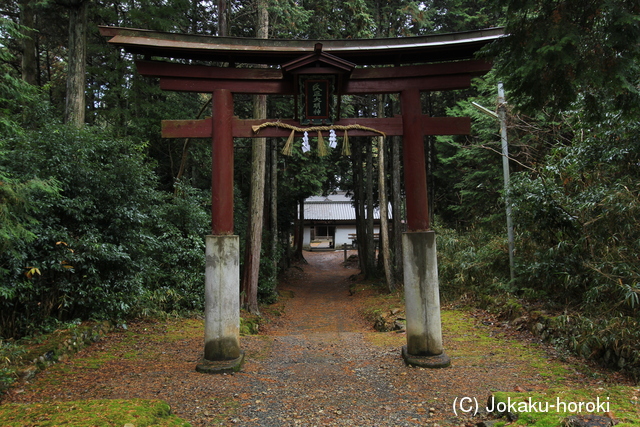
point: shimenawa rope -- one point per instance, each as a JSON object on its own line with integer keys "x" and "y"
{"x": 322, "y": 148}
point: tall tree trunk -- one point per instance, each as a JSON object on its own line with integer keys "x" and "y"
{"x": 385, "y": 253}
{"x": 251, "y": 274}
{"x": 49, "y": 64}
{"x": 223, "y": 18}
{"x": 431, "y": 165}
{"x": 27, "y": 19}
{"x": 75, "y": 103}
{"x": 299, "y": 232}
{"x": 186, "y": 145}
{"x": 371, "y": 243}
{"x": 430, "y": 160}
{"x": 396, "y": 176}
{"x": 359, "y": 205}
{"x": 273, "y": 209}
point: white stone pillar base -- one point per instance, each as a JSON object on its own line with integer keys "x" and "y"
{"x": 422, "y": 301}
{"x": 222, "y": 351}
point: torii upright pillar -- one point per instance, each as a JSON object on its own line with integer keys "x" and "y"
{"x": 222, "y": 351}
{"x": 422, "y": 295}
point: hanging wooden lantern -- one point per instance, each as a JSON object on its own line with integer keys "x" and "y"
{"x": 318, "y": 80}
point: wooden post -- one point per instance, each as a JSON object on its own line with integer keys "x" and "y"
{"x": 222, "y": 163}
{"x": 415, "y": 174}
{"x": 222, "y": 351}
{"x": 421, "y": 288}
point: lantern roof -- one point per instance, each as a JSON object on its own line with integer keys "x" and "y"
{"x": 234, "y": 50}
{"x": 318, "y": 59}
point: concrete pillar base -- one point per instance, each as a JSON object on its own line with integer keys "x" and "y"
{"x": 220, "y": 366}
{"x": 222, "y": 351}
{"x": 422, "y": 301}
{"x": 433, "y": 362}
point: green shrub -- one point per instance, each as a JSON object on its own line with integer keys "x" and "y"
{"x": 471, "y": 263}
{"x": 577, "y": 219}
{"x": 105, "y": 245}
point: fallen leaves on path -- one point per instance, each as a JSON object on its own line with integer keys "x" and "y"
{"x": 319, "y": 363}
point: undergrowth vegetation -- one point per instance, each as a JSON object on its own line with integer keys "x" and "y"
{"x": 577, "y": 248}
{"x": 102, "y": 242}
{"x": 618, "y": 400}
{"x": 88, "y": 233}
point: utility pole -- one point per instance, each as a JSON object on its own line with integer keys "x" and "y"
{"x": 502, "y": 116}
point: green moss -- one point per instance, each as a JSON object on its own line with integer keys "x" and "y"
{"x": 285, "y": 294}
{"x": 472, "y": 343}
{"x": 622, "y": 401}
{"x": 551, "y": 371}
{"x": 123, "y": 345}
{"x": 249, "y": 325}
{"x": 91, "y": 413}
{"x": 32, "y": 354}
{"x": 177, "y": 330}
{"x": 377, "y": 303}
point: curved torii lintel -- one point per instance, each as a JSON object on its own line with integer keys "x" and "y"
{"x": 236, "y": 50}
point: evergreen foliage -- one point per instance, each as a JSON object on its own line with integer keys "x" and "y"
{"x": 107, "y": 242}
{"x": 583, "y": 203}
{"x": 559, "y": 53}
{"x": 468, "y": 180}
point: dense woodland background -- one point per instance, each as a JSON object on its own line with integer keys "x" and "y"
{"x": 102, "y": 219}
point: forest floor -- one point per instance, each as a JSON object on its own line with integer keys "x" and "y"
{"x": 318, "y": 362}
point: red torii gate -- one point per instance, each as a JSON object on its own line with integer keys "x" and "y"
{"x": 449, "y": 65}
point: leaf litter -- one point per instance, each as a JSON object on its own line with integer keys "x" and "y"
{"x": 316, "y": 362}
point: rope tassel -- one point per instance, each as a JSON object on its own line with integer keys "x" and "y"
{"x": 346, "y": 149}
{"x": 322, "y": 147}
{"x": 289, "y": 144}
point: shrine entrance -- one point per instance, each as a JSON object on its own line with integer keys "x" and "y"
{"x": 317, "y": 74}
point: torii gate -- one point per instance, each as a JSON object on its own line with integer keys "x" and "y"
{"x": 447, "y": 64}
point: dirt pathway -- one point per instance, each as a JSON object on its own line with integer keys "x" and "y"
{"x": 319, "y": 364}
{"x": 321, "y": 303}
{"x": 321, "y": 369}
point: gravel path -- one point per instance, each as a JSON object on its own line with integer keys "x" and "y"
{"x": 314, "y": 366}
{"x": 321, "y": 370}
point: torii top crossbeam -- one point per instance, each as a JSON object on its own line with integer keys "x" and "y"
{"x": 406, "y": 65}
{"x": 391, "y": 51}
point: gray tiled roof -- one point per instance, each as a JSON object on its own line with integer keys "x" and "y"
{"x": 335, "y": 207}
